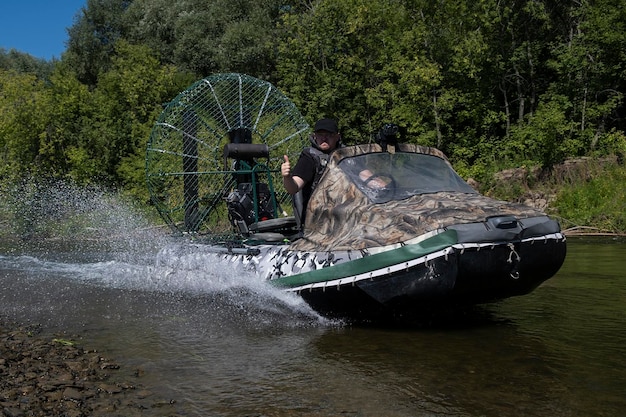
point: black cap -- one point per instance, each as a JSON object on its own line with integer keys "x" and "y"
{"x": 330, "y": 125}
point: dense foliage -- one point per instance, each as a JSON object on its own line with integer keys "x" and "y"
{"x": 493, "y": 84}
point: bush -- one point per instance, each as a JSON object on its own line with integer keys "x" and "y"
{"x": 599, "y": 201}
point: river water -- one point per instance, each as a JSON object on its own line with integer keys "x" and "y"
{"x": 221, "y": 343}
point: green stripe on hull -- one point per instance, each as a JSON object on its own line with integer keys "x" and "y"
{"x": 370, "y": 263}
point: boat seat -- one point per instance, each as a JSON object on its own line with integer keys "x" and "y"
{"x": 268, "y": 237}
{"x": 280, "y": 223}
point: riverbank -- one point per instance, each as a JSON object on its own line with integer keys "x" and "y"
{"x": 42, "y": 375}
{"x": 586, "y": 195}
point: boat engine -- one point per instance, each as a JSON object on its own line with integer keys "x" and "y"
{"x": 252, "y": 201}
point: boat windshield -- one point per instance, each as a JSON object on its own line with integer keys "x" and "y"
{"x": 383, "y": 177}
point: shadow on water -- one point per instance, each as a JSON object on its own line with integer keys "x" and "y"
{"x": 223, "y": 343}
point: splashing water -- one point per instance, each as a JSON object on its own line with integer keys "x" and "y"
{"x": 93, "y": 237}
{"x": 41, "y": 213}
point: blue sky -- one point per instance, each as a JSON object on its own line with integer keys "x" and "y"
{"x": 37, "y": 27}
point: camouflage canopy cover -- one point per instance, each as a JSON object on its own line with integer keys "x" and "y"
{"x": 421, "y": 193}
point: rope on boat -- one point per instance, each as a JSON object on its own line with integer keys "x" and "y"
{"x": 513, "y": 253}
{"x": 514, "y": 272}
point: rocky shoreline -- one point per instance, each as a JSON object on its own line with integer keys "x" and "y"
{"x": 53, "y": 376}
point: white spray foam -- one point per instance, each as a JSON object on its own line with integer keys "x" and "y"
{"x": 128, "y": 252}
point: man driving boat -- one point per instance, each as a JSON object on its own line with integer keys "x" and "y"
{"x": 312, "y": 161}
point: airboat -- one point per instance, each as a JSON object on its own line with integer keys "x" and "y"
{"x": 424, "y": 240}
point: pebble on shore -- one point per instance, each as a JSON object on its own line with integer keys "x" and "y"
{"x": 48, "y": 376}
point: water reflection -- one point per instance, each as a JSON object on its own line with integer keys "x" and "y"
{"x": 224, "y": 344}
{"x": 486, "y": 368}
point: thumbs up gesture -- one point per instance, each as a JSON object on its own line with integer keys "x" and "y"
{"x": 285, "y": 168}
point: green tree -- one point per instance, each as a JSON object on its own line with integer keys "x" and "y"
{"x": 69, "y": 105}
{"x": 457, "y": 39}
{"x": 493, "y": 84}
{"x": 22, "y": 123}
{"x": 24, "y": 63}
{"x": 207, "y": 37}
{"x": 589, "y": 67}
{"x": 92, "y": 37}
{"x": 129, "y": 97}
{"x": 357, "y": 61}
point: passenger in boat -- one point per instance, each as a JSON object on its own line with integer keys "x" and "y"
{"x": 312, "y": 161}
{"x": 375, "y": 182}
